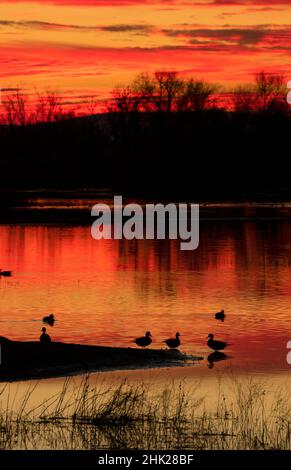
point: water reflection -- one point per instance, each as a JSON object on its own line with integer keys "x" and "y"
{"x": 49, "y": 319}
{"x": 216, "y": 356}
{"x": 107, "y": 292}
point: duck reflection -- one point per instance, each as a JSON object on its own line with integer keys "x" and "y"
{"x": 49, "y": 320}
{"x": 216, "y": 356}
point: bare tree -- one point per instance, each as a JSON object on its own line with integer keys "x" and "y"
{"x": 168, "y": 89}
{"x": 124, "y": 100}
{"x": 144, "y": 87}
{"x": 149, "y": 93}
{"x": 163, "y": 91}
{"x": 271, "y": 92}
{"x": 198, "y": 96}
{"x": 48, "y": 108}
{"x": 244, "y": 99}
{"x": 92, "y": 105}
{"x": 15, "y": 109}
{"x": 18, "y": 110}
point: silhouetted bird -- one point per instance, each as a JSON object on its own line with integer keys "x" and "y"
{"x": 173, "y": 343}
{"x": 50, "y": 319}
{"x": 220, "y": 315}
{"x": 5, "y": 273}
{"x": 44, "y": 337}
{"x": 144, "y": 341}
{"x": 216, "y": 345}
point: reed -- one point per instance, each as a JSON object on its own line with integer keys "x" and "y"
{"x": 127, "y": 416}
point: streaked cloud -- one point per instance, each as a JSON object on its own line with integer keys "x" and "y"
{"x": 263, "y": 35}
{"x": 116, "y": 28}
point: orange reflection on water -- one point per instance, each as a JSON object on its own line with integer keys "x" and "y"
{"x": 108, "y": 292}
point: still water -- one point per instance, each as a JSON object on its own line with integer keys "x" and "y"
{"x": 108, "y": 292}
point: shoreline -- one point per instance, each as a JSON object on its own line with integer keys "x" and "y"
{"x": 72, "y": 214}
{"x": 29, "y": 360}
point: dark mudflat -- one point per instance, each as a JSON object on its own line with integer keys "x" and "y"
{"x": 31, "y": 360}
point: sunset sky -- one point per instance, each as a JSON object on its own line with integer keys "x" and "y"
{"x": 84, "y": 48}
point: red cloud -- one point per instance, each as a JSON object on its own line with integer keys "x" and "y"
{"x": 66, "y": 61}
{"x": 251, "y": 2}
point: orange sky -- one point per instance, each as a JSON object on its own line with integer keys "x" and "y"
{"x": 85, "y": 48}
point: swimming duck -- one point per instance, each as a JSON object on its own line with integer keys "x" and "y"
{"x": 220, "y": 315}
{"x": 144, "y": 341}
{"x": 216, "y": 345}
{"x": 50, "y": 319}
{"x": 173, "y": 343}
{"x": 44, "y": 337}
{"x": 5, "y": 273}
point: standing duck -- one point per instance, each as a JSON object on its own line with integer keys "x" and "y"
{"x": 50, "y": 319}
{"x": 144, "y": 341}
{"x": 44, "y": 337}
{"x": 173, "y": 343}
{"x": 220, "y": 315}
{"x": 216, "y": 345}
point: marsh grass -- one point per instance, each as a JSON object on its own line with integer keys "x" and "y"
{"x": 128, "y": 416}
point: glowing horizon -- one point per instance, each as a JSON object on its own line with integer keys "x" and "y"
{"x": 84, "y": 49}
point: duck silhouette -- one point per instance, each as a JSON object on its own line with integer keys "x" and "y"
{"x": 44, "y": 337}
{"x": 216, "y": 345}
{"x": 173, "y": 343}
{"x": 50, "y": 319}
{"x": 144, "y": 341}
{"x": 220, "y": 315}
{"x": 5, "y": 273}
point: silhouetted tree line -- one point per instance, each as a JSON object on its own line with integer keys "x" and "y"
{"x": 167, "y": 92}
{"x": 168, "y": 140}
{"x": 17, "y": 110}
{"x": 161, "y": 92}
